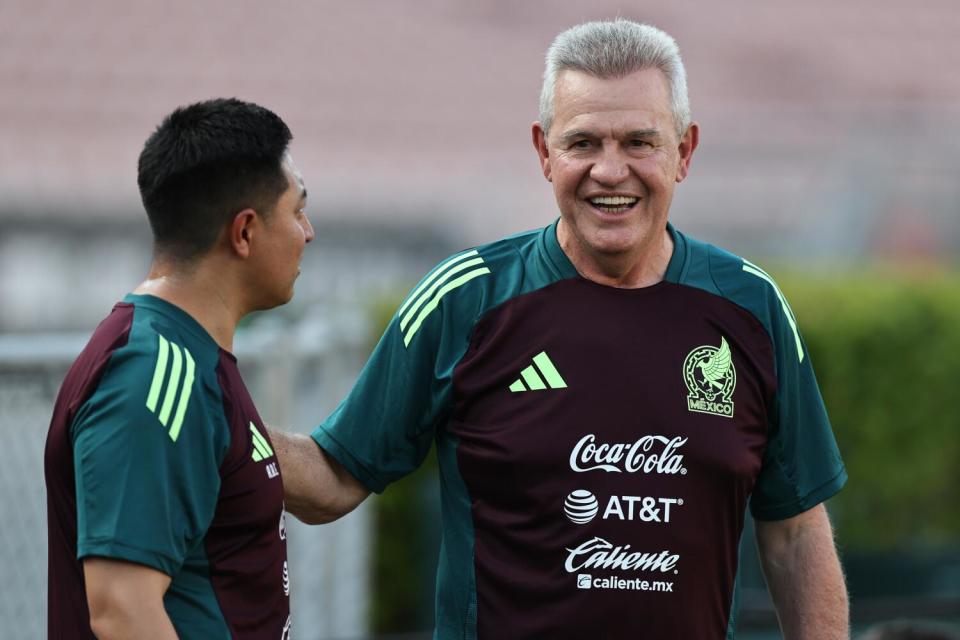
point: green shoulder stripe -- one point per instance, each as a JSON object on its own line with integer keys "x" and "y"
{"x": 435, "y": 279}
{"x": 158, "y": 373}
{"x": 753, "y": 269}
{"x": 180, "y": 379}
{"x": 444, "y": 290}
{"x": 184, "y": 395}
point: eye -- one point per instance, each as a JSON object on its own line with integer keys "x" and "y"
{"x": 639, "y": 143}
{"x": 581, "y": 144}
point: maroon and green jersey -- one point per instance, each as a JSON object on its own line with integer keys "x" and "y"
{"x": 156, "y": 455}
{"x": 598, "y": 447}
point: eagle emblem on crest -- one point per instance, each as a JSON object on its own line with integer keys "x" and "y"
{"x": 711, "y": 378}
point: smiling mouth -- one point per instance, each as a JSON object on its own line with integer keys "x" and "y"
{"x": 613, "y": 204}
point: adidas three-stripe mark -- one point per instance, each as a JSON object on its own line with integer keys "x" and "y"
{"x": 451, "y": 274}
{"x": 261, "y": 448}
{"x": 533, "y": 379}
{"x": 180, "y": 379}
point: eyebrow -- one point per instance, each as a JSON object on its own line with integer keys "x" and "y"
{"x": 582, "y": 133}
{"x": 644, "y": 133}
{"x": 577, "y": 133}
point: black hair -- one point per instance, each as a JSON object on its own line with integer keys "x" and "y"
{"x": 203, "y": 164}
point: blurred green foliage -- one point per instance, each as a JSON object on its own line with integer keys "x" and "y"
{"x": 407, "y": 534}
{"x": 886, "y": 349}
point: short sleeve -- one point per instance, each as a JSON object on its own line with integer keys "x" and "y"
{"x": 384, "y": 428}
{"x": 801, "y": 464}
{"x": 147, "y": 448}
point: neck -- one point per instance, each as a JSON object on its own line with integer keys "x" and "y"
{"x": 644, "y": 266}
{"x": 202, "y": 292}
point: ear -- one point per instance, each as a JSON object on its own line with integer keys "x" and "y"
{"x": 688, "y": 144}
{"x": 242, "y": 230}
{"x": 540, "y": 144}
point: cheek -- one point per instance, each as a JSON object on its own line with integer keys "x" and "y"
{"x": 567, "y": 177}
{"x": 666, "y": 165}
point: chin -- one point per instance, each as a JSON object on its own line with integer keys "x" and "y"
{"x": 613, "y": 244}
{"x": 274, "y": 302}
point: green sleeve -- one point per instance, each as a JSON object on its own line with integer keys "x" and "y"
{"x": 384, "y": 428}
{"x": 801, "y": 464}
{"x": 145, "y": 493}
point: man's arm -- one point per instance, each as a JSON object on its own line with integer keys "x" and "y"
{"x": 804, "y": 576}
{"x": 126, "y": 600}
{"x": 316, "y": 488}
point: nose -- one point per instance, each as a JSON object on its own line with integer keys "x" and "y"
{"x": 610, "y": 167}
{"x": 308, "y": 234}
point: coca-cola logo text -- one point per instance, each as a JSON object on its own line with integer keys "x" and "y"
{"x": 649, "y": 454}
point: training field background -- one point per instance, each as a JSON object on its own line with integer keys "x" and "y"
{"x": 830, "y": 154}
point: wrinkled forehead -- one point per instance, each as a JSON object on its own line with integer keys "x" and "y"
{"x": 638, "y": 100}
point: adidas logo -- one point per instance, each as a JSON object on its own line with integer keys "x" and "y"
{"x": 542, "y": 376}
{"x": 171, "y": 411}
{"x": 262, "y": 451}
{"x": 261, "y": 448}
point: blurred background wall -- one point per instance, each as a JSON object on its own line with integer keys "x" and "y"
{"x": 830, "y": 152}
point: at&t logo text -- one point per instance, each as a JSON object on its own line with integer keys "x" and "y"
{"x": 581, "y": 507}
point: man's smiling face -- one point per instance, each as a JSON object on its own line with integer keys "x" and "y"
{"x": 614, "y": 157}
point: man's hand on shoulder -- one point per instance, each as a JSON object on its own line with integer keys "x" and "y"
{"x": 316, "y": 488}
{"x": 126, "y": 600}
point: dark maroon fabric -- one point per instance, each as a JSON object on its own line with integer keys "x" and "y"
{"x": 68, "y": 617}
{"x": 621, "y": 354}
{"x": 245, "y": 544}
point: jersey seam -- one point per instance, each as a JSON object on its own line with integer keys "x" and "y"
{"x": 778, "y": 453}
{"x": 93, "y": 384}
{"x": 479, "y": 317}
{"x": 92, "y": 391}
{"x": 216, "y": 596}
{"x": 151, "y": 303}
{"x": 107, "y": 544}
{"x": 783, "y": 510}
{"x": 373, "y": 480}
{"x": 219, "y": 400}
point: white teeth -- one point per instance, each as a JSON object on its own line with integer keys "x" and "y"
{"x": 613, "y": 201}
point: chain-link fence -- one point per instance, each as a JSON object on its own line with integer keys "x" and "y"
{"x": 295, "y": 375}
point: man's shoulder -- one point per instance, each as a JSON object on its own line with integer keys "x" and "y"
{"x": 159, "y": 372}
{"x": 743, "y": 283}
{"x": 497, "y": 267}
{"x": 724, "y": 273}
{"x": 158, "y": 326}
{"x": 151, "y": 360}
{"x": 520, "y": 262}
{"x": 466, "y": 284}
{"x": 505, "y": 257}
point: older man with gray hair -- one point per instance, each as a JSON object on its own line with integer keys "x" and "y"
{"x": 607, "y": 395}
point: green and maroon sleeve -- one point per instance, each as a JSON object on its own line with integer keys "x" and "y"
{"x": 384, "y": 428}
{"x": 147, "y": 447}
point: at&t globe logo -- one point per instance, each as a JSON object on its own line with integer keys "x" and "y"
{"x": 581, "y": 506}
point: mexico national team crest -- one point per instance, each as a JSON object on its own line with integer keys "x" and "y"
{"x": 711, "y": 379}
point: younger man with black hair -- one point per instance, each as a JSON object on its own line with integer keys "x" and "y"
{"x": 164, "y": 500}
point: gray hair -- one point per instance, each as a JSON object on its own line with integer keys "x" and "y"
{"x": 614, "y": 49}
